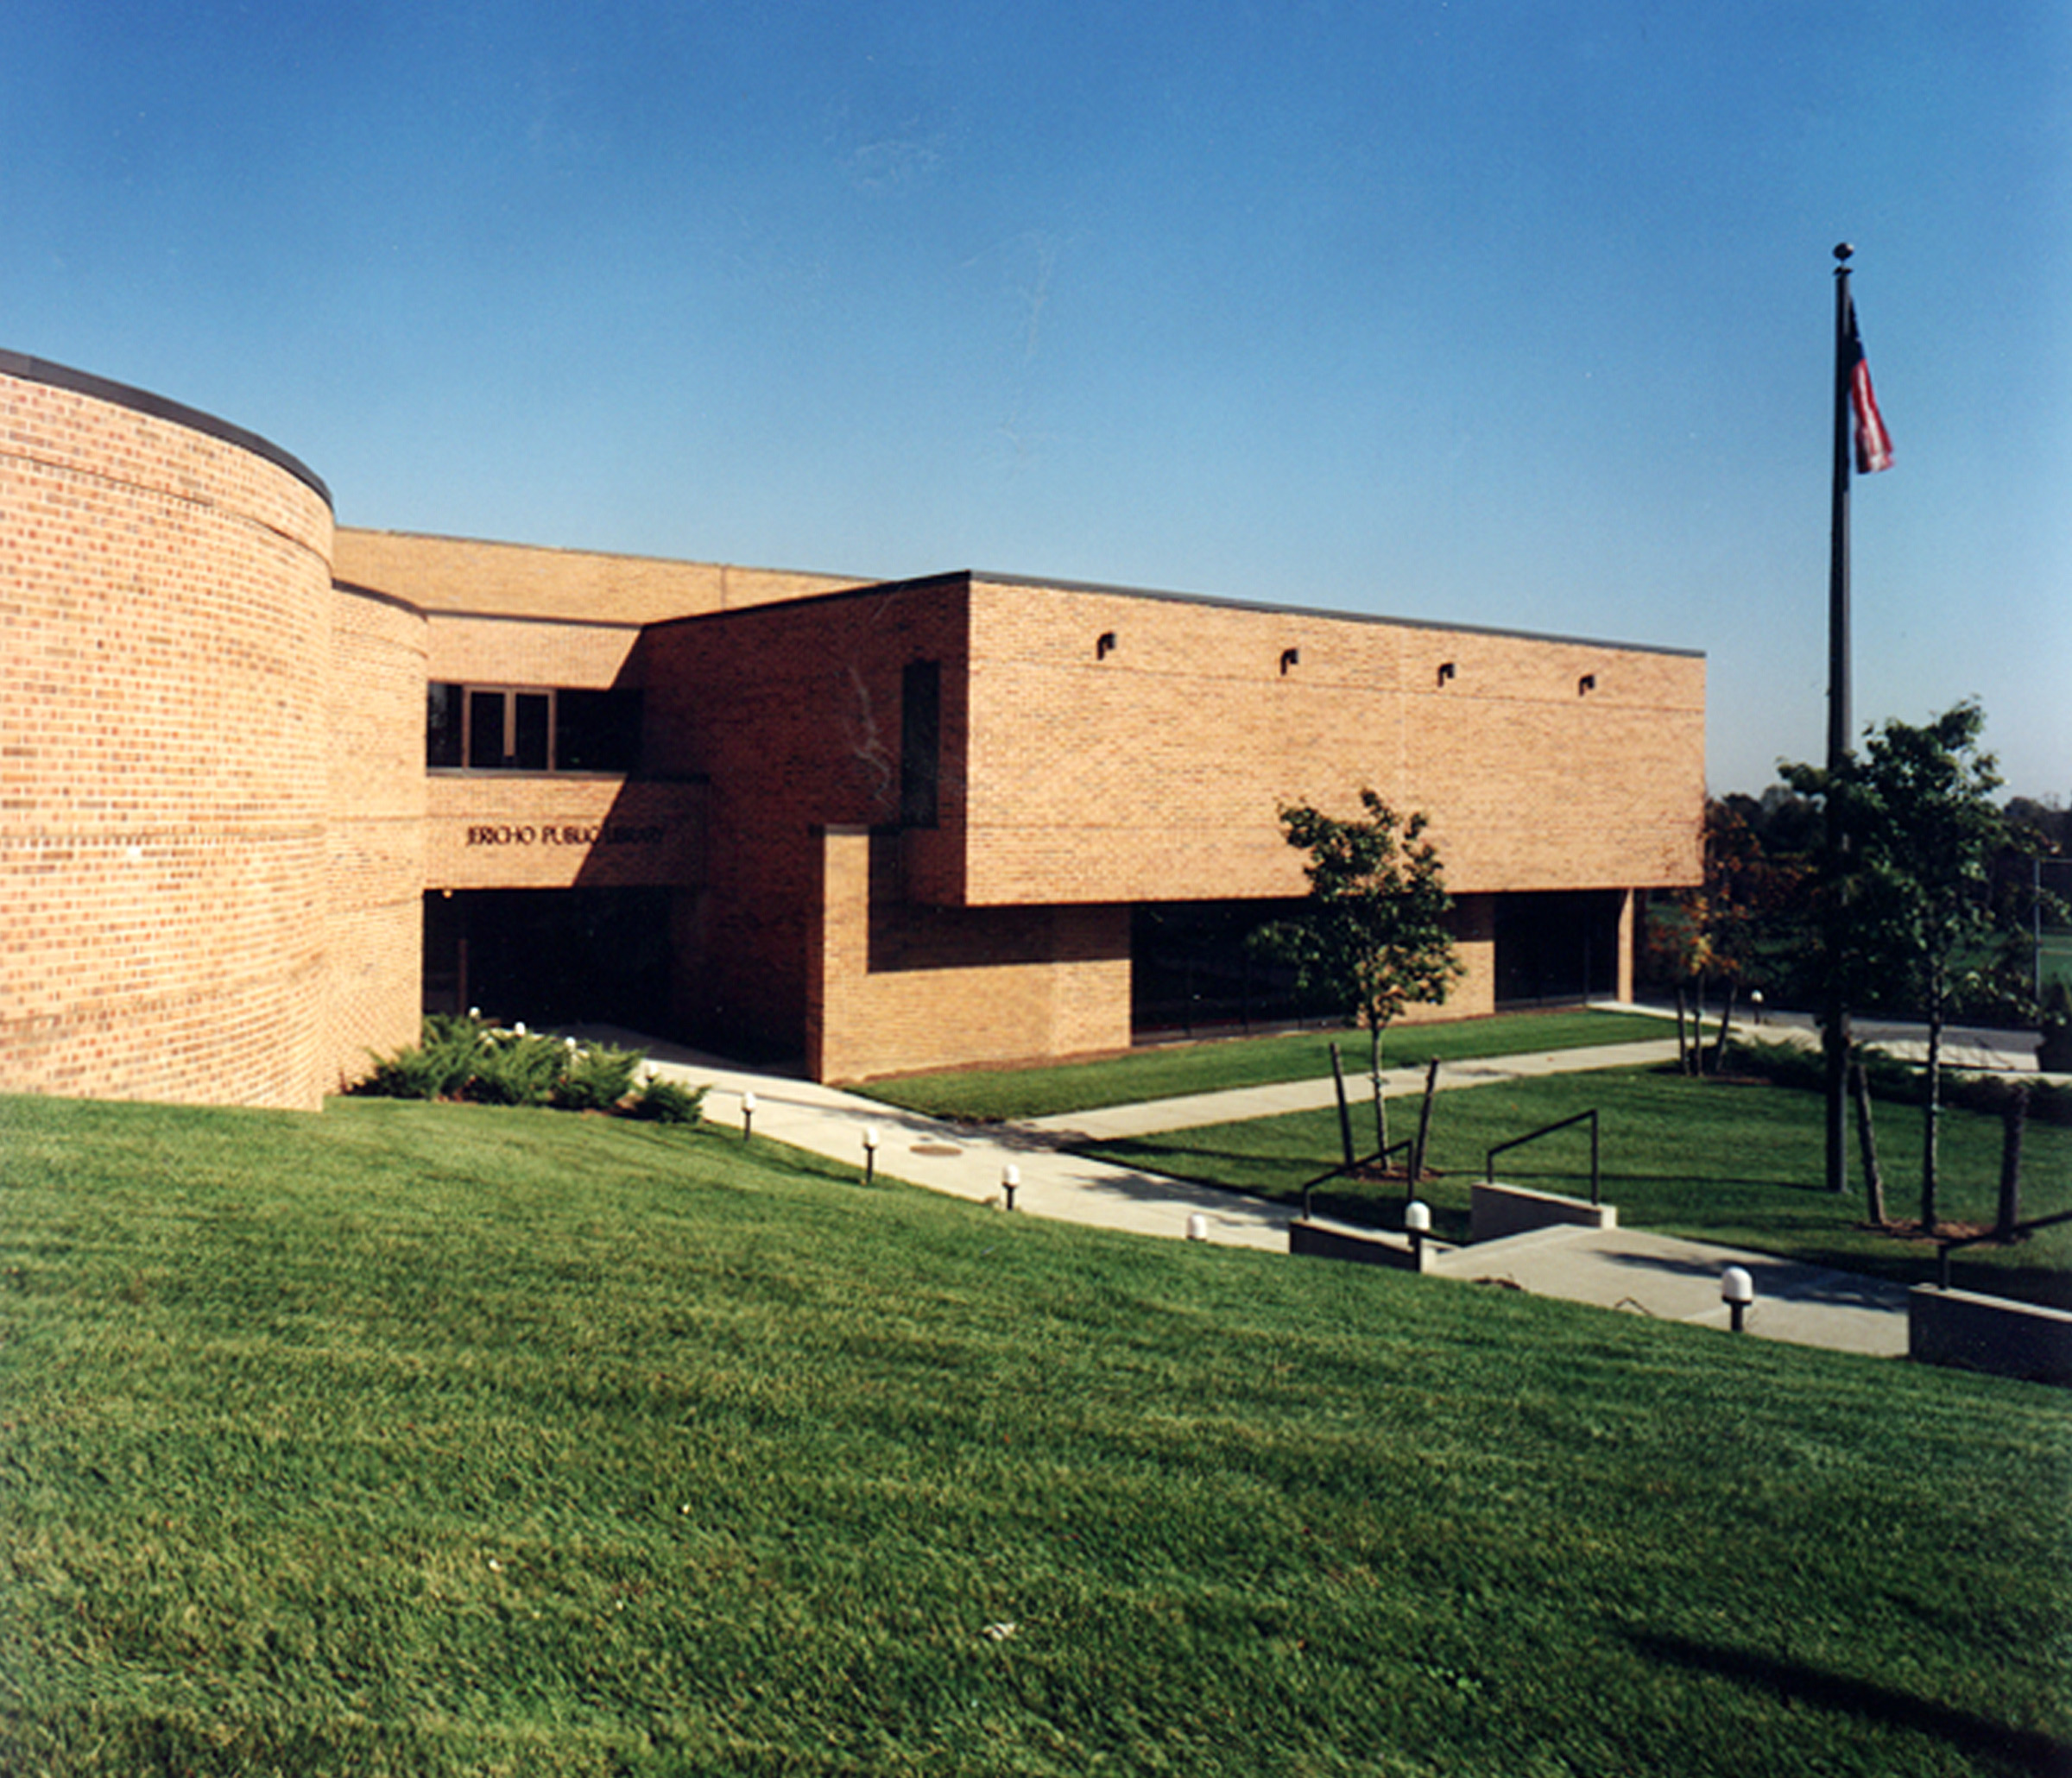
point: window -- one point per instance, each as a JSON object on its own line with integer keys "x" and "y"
{"x": 597, "y": 731}
{"x": 920, "y": 741}
{"x": 518, "y": 729}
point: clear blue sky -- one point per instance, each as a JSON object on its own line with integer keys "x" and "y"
{"x": 1514, "y": 314}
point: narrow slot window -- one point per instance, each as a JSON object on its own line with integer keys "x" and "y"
{"x": 920, "y": 741}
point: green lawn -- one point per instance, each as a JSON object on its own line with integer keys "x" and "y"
{"x": 433, "y": 1439}
{"x": 1168, "y": 1071}
{"x": 1735, "y": 1162}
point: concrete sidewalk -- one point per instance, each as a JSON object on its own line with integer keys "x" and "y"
{"x": 961, "y": 1161}
{"x": 1671, "y": 1279}
{"x": 1241, "y": 1103}
{"x": 1659, "y": 1276}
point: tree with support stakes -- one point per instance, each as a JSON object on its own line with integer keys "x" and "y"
{"x": 1372, "y": 937}
{"x": 1917, "y": 807}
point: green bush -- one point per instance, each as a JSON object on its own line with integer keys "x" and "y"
{"x": 662, "y": 1101}
{"x": 598, "y": 1078}
{"x": 437, "y": 1067}
{"x": 464, "y": 1058}
{"x": 517, "y": 1068}
{"x": 2054, "y": 1050}
{"x": 1787, "y": 1065}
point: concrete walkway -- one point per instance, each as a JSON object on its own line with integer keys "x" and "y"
{"x": 1111, "y": 1123}
{"x": 1659, "y": 1276}
{"x": 1671, "y": 1279}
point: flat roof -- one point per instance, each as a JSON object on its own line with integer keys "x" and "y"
{"x": 1321, "y": 613}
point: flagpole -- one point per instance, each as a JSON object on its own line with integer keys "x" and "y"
{"x": 1834, "y": 1037}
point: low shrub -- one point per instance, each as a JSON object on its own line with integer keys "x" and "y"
{"x": 598, "y": 1078}
{"x": 516, "y": 1068}
{"x": 1899, "y": 1082}
{"x": 438, "y": 1066}
{"x": 662, "y": 1101}
{"x": 464, "y": 1058}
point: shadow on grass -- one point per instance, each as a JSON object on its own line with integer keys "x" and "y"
{"x": 2023, "y": 1749}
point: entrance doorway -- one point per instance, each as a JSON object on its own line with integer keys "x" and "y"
{"x": 1557, "y": 947}
{"x": 550, "y": 957}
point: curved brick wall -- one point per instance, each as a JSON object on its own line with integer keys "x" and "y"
{"x": 166, "y": 625}
{"x": 375, "y": 837}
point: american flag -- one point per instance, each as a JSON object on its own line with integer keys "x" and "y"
{"x": 1874, "y": 443}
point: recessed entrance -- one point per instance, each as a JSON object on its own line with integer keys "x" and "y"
{"x": 550, "y": 957}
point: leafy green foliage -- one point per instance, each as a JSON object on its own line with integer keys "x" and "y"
{"x": 1922, "y": 828}
{"x": 1373, "y": 936}
{"x": 466, "y": 1058}
{"x": 597, "y": 1077}
{"x": 665, "y": 1101}
{"x": 437, "y": 1067}
{"x": 516, "y": 1068}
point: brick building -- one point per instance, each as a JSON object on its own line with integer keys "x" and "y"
{"x": 269, "y": 788}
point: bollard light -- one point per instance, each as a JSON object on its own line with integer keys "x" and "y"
{"x": 1198, "y": 1227}
{"x": 1416, "y": 1222}
{"x": 870, "y": 1152}
{"x": 1737, "y": 1291}
{"x": 1010, "y": 1176}
{"x": 747, "y": 1115}
{"x": 1755, "y": 1000}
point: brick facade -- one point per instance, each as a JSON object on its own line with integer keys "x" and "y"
{"x": 165, "y": 613}
{"x": 375, "y": 833}
{"x": 894, "y": 826}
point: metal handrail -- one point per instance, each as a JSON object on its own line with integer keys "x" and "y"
{"x": 1489, "y": 1160}
{"x": 1946, "y": 1248}
{"x": 1373, "y": 1160}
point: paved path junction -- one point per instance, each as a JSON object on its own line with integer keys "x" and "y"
{"x": 1660, "y": 1276}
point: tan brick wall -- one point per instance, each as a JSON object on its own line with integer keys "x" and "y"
{"x": 793, "y": 713}
{"x": 374, "y": 870}
{"x": 522, "y": 652}
{"x": 460, "y": 574}
{"x": 1151, "y": 772}
{"x": 165, "y": 623}
{"x": 1154, "y": 774}
{"x": 510, "y": 830}
{"x": 896, "y": 985}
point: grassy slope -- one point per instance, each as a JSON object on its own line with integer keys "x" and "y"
{"x": 423, "y": 1440}
{"x": 1171, "y": 1070}
{"x": 1725, "y": 1161}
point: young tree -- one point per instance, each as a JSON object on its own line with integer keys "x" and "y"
{"x": 1372, "y": 937}
{"x": 1714, "y": 932}
{"x": 1918, "y": 806}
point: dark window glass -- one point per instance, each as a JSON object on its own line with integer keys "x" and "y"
{"x": 920, "y": 741}
{"x": 597, "y": 731}
{"x": 532, "y": 726}
{"x": 442, "y": 725}
{"x": 485, "y": 730}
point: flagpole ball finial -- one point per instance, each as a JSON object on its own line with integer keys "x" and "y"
{"x": 1844, "y": 250}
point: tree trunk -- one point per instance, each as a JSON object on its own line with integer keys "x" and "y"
{"x": 1932, "y": 1113}
{"x": 1373, "y": 1067}
{"x": 1416, "y": 1148}
{"x": 1683, "y": 1045}
{"x": 2014, "y": 1115}
{"x": 1719, "y": 1045}
{"x": 1345, "y": 1112}
{"x": 1867, "y": 1138}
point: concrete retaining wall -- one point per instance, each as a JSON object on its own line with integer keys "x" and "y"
{"x": 1379, "y": 1248}
{"x": 1500, "y": 1210}
{"x": 1970, "y": 1331}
